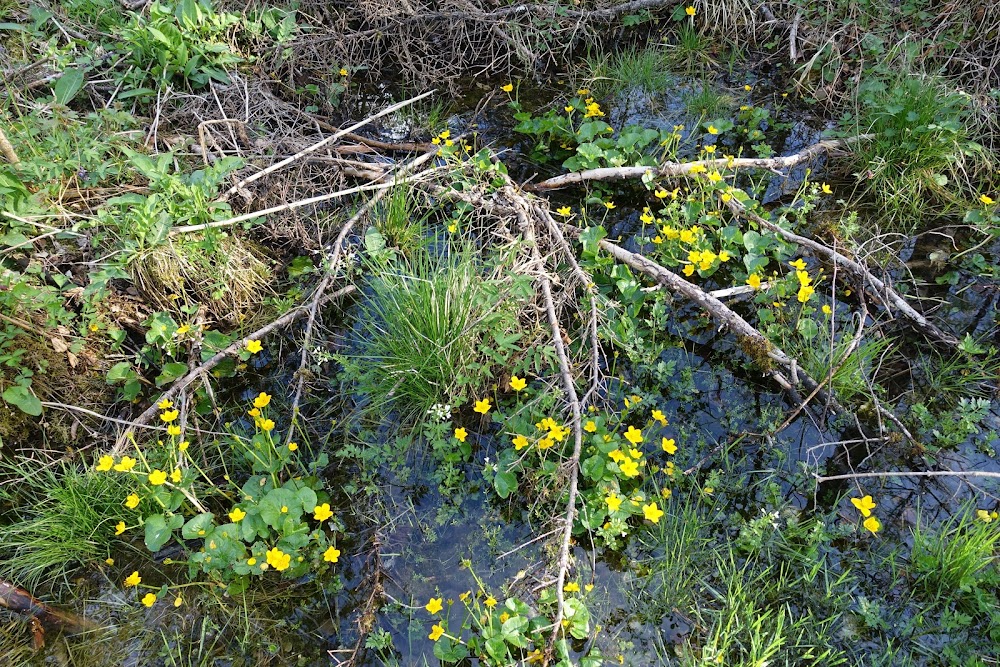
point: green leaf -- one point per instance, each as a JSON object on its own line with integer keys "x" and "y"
{"x": 807, "y": 328}
{"x": 505, "y": 483}
{"x": 68, "y": 85}
{"x": 171, "y": 372}
{"x": 591, "y": 238}
{"x": 20, "y": 396}
{"x": 120, "y": 372}
{"x": 447, "y": 650}
{"x": 593, "y": 128}
{"x": 198, "y": 526}
{"x": 158, "y": 532}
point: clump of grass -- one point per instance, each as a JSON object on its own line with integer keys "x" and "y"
{"x": 957, "y": 561}
{"x": 57, "y": 519}
{"x": 689, "y": 50}
{"x": 646, "y": 69}
{"x": 425, "y": 332}
{"x": 704, "y": 101}
{"x": 399, "y": 221}
{"x": 922, "y": 161}
{"x": 228, "y": 275}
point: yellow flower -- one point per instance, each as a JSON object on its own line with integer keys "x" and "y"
{"x": 715, "y": 176}
{"x": 183, "y": 329}
{"x": 669, "y": 446}
{"x": 564, "y": 211}
{"x": 322, "y": 512}
{"x": 132, "y": 501}
{"x": 984, "y": 515}
{"x": 583, "y": 91}
{"x": 986, "y": 200}
{"x": 710, "y": 149}
{"x": 517, "y": 384}
{"x": 266, "y": 425}
{"x": 157, "y": 477}
{"x": 164, "y": 404}
{"x": 120, "y": 528}
{"x": 753, "y": 280}
{"x": 666, "y": 493}
{"x": 709, "y": 490}
{"x": 659, "y": 416}
{"x": 661, "y": 193}
{"x": 827, "y": 190}
{"x": 545, "y": 443}
{"x": 688, "y": 270}
{"x": 433, "y": 606}
{"x": 633, "y": 435}
{"x": 490, "y": 601}
{"x": 292, "y": 446}
{"x": 697, "y": 169}
{"x": 254, "y": 346}
{"x": 126, "y": 464}
{"x": 609, "y": 205}
{"x": 461, "y": 434}
{"x": 629, "y": 468}
{"x": 507, "y": 88}
{"x": 133, "y": 579}
{"x": 278, "y": 559}
{"x": 872, "y": 523}
{"x": 105, "y": 463}
{"x": 614, "y": 502}
{"x": 805, "y": 293}
{"x": 520, "y": 442}
{"x": 437, "y": 630}
{"x": 724, "y": 256}
{"x": 826, "y": 309}
{"x": 254, "y": 412}
{"x": 149, "y": 599}
{"x": 865, "y": 505}
{"x": 343, "y": 71}
{"x": 572, "y": 587}
{"x": 689, "y": 10}
{"x": 262, "y": 400}
{"x": 331, "y": 555}
{"x": 483, "y": 406}
{"x": 109, "y": 561}
{"x": 803, "y": 277}
{"x": 652, "y": 512}
{"x": 798, "y": 265}
{"x": 251, "y": 561}
{"x": 173, "y": 429}
{"x": 178, "y": 601}
{"x": 183, "y": 446}
{"x": 169, "y": 415}
{"x": 712, "y": 129}
{"x": 237, "y": 515}
{"x": 453, "y": 227}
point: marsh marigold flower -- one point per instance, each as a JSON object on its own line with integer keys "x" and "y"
{"x": 483, "y": 406}
{"x": 437, "y": 630}
{"x": 132, "y": 501}
{"x": 105, "y": 463}
{"x": 254, "y": 346}
{"x": 120, "y": 528}
{"x": 652, "y": 512}
{"x": 331, "y": 555}
{"x": 126, "y": 464}
{"x": 689, "y": 10}
{"x": 433, "y": 606}
{"x": 865, "y": 505}
{"x": 149, "y": 599}
{"x": 633, "y": 435}
{"x": 262, "y": 400}
{"x": 322, "y": 512}
{"x": 133, "y": 579}
{"x": 507, "y": 87}
{"x": 873, "y": 524}
{"x": 517, "y": 384}
{"x": 461, "y": 434}
{"x": 278, "y": 559}
{"x": 157, "y": 477}
{"x": 237, "y": 515}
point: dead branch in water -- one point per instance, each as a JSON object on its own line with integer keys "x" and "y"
{"x": 21, "y": 601}
{"x": 674, "y": 169}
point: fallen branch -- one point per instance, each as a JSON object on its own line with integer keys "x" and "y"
{"x": 21, "y": 601}
{"x": 673, "y": 169}
{"x": 878, "y": 290}
{"x": 927, "y": 473}
{"x": 208, "y": 365}
{"x": 752, "y": 341}
{"x": 569, "y": 388}
{"x": 320, "y": 144}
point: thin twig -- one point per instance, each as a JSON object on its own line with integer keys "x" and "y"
{"x": 320, "y": 144}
